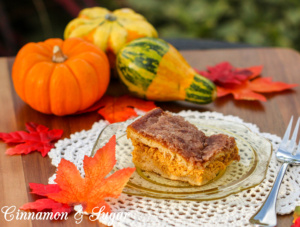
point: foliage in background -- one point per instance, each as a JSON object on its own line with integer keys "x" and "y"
{"x": 258, "y": 22}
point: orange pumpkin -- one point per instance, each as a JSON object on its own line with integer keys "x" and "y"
{"x": 60, "y": 77}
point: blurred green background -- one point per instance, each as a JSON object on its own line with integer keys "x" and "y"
{"x": 255, "y": 22}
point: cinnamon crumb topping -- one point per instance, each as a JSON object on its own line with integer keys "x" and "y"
{"x": 182, "y": 137}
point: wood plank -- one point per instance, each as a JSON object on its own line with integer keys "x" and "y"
{"x": 12, "y": 177}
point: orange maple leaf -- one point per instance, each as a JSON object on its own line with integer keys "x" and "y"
{"x": 117, "y": 109}
{"x": 242, "y": 83}
{"x": 91, "y": 190}
{"x": 249, "y": 88}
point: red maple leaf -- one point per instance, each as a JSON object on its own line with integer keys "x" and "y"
{"x": 116, "y": 109}
{"x": 46, "y": 203}
{"x": 38, "y": 138}
{"x": 42, "y": 189}
{"x": 296, "y": 223}
{"x": 296, "y": 216}
{"x": 224, "y": 74}
{"x": 242, "y": 83}
{"x": 91, "y": 190}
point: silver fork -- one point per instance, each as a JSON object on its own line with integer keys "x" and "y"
{"x": 286, "y": 153}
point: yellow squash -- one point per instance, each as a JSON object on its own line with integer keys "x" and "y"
{"x": 109, "y": 30}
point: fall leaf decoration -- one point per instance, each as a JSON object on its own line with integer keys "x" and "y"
{"x": 242, "y": 83}
{"x": 296, "y": 215}
{"x": 297, "y": 223}
{"x": 224, "y": 74}
{"x": 43, "y": 190}
{"x": 45, "y": 203}
{"x": 38, "y": 138}
{"x": 117, "y": 109}
{"x": 72, "y": 189}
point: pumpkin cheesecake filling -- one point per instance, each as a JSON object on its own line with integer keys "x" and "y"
{"x": 174, "y": 148}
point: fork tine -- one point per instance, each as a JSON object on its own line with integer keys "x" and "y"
{"x": 287, "y": 133}
{"x": 298, "y": 149}
{"x": 294, "y": 137}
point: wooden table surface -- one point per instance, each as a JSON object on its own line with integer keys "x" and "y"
{"x": 16, "y": 172}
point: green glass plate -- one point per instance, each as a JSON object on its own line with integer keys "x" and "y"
{"x": 255, "y": 152}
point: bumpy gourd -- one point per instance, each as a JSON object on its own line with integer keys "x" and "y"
{"x": 153, "y": 69}
{"x": 60, "y": 77}
{"x": 108, "y": 30}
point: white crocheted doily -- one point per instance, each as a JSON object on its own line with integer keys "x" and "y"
{"x": 233, "y": 210}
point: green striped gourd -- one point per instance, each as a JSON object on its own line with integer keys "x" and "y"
{"x": 153, "y": 69}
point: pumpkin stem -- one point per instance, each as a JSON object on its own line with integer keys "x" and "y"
{"x": 58, "y": 55}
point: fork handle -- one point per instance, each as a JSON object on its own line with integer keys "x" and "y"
{"x": 266, "y": 215}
